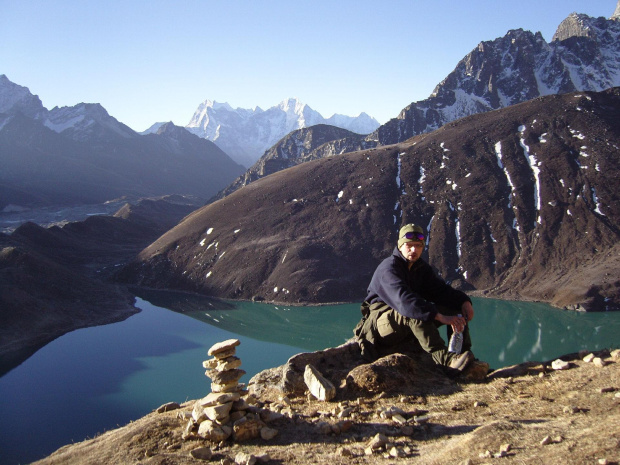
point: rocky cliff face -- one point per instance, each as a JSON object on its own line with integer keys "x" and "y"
{"x": 583, "y": 55}
{"x": 520, "y": 202}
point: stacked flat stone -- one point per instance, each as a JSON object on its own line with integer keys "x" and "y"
{"x": 223, "y": 368}
{"x": 223, "y": 413}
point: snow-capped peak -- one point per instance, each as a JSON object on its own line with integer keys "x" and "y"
{"x": 292, "y": 105}
{"x": 14, "y": 97}
{"x": 246, "y": 133}
{"x": 216, "y": 105}
{"x": 616, "y": 15}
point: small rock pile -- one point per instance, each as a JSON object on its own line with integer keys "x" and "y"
{"x": 225, "y": 413}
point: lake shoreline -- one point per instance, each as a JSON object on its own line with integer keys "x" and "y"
{"x": 17, "y": 347}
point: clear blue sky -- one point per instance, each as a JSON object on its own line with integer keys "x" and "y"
{"x": 150, "y": 61}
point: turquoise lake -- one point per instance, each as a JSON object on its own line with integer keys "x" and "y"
{"x": 95, "y": 379}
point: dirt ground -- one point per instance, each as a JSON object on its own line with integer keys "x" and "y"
{"x": 525, "y": 414}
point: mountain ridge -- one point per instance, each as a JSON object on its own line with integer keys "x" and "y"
{"x": 497, "y": 73}
{"x": 484, "y": 79}
{"x": 81, "y": 154}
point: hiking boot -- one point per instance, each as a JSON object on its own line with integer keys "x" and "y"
{"x": 368, "y": 351}
{"x": 460, "y": 362}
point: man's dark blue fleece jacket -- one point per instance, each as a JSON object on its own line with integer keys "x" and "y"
{"x": 415, "y": 292}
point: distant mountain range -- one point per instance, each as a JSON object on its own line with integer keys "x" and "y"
{"x": 584, "y": 54}
{"x": 245, "y": 134}
{"x": 81, "y": 154}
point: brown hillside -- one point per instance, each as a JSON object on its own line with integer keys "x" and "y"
{"x": 520, "y": 203}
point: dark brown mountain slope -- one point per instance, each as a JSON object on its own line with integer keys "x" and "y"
{"x": 520, "y": 202}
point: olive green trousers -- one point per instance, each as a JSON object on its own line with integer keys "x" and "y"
{"x": 383, "y": 326}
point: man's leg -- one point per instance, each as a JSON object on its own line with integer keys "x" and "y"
{"x": 427, "y": 334}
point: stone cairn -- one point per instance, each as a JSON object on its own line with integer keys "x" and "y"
{"x": 224, "y": 413}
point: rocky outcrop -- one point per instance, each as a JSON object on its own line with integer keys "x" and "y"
{"x": 404, "y": 369}
{"x": 503, "y": 195}
{"x": 528, "y": 412}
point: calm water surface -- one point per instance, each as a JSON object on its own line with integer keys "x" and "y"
{"x": 95, "y": 379}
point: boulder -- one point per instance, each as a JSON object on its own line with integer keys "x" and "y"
{"x": 219, "y": 412}
{"x": 202, "y": 453}
{"x": 397, "y": 373}
{"x": 319, "y": 386}
{"x": 168, "y": 407}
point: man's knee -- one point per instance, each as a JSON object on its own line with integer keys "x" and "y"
{"x": 392, "y": 328}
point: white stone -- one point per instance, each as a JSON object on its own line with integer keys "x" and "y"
{"x": 230, "y": 387}
{"x": 228, "y": 363}
{"x": 215, "y": 398}
{"x": 198, "y": 413}
{"x": 210, "y": 364}
{"x": 212, "y": 432}
{"x": 560, "y": 365}
{"x": 318, "y": 385}
{"x": 245, "y": 459}
{"x": 377, "y": 441}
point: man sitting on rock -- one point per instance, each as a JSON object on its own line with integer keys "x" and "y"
{"x": 406, "y": 297}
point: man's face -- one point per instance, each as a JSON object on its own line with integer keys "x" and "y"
{"x": 412, "y": 250}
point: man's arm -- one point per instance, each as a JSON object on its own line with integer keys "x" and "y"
{"x": 468, "y": 310}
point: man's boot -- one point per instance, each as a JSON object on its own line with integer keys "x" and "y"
{"x": 459, "y": 362}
